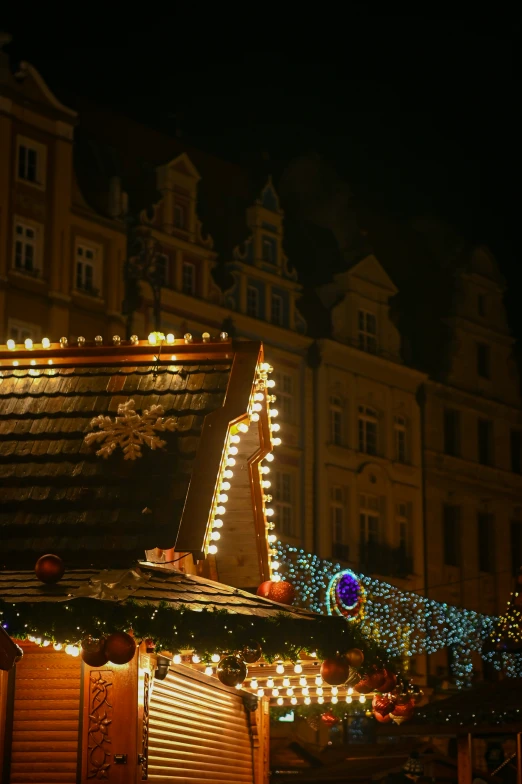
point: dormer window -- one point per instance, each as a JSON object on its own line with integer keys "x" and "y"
{"x": 367, "y": 332}
{"x": 179, "y": 216}
{"x": 269, "y": 250}
{"x": 30, "y": 162}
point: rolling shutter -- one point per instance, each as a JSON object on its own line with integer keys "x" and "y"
{"x": 198, "y": 732}
{"x": 46, "y": 717}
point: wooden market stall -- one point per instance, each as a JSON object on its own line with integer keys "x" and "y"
{"x": 136, "y": 526}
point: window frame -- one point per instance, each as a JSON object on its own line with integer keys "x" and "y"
{"x": 251, "y": 290}
{"x": 403, "y": 522}
{"x": 483, "y": 361}
{"x": 369, "y": 512}
{"x": 41, "y": 161}
{"x": 34, "y": 331}
{"x": 285, "y": 507}
{"x": 180, "y": 209}
{"x": 269, "y": 242}
{"x": 96, "y": 264}
{"x": 277, "y": 322}
{"x": 400, "y": 428}
{"x": 367, "y": 339}
{"x": 366, "y": 415}
{"x": 189, "y": 265}
{"x": 338, "y": 521}
{"x": 336, "y": 412}
{"x": 36, "y": 244}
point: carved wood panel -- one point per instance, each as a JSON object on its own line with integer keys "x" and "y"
{"x": 99, "y": 733}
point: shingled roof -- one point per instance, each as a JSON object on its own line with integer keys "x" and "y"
{"x": 56, "y": 494}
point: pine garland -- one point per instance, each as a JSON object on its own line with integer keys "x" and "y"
{"x": 176, "y": 629}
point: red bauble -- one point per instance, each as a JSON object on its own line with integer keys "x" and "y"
{"x": 251, "y": 652}
{"x": 231, "y": 671}
{"x": 380, "y": 718}
{"x": 264, "y": 589}
{"x": 282, "y": 592}
{"x": 390, "y": 682}
{"x": 119, "y": 648}
{"x": 335, "y": 671}
{"x": 329, "y": 719}
{"x": 49, "y": 569}
{"x": 364, "y": 686}
{"x": 355, "y": 657}
{"x": 404, "y": 710}
{"x": 93, "y": 652}
{"x": 383, "y": 705}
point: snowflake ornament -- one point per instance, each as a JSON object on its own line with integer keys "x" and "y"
{"x": 130, "y": 430}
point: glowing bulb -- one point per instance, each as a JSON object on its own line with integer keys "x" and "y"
{"x": 320, "y": 700}
{"x": 334, "y": 700}
{"x": 350, "y": 690}
{"x": 195, "y": 658}
{"x": 225, "y": 485}
{"x": 215, "y": 536}
{"x": 220, "y": 510}
{"x": 271, "y": 383}
{"x": 212, "y": 549}
{"x": 307, "y": 700}
{"x": 294, "y": 700}
{"x": 254, "y": 417}
{"x": 57, "y": 646}
{"x": 228, "y": 474}
{"x": 280, "y": 700}
{"x": 153, "y": 339}
{"x": 302, "y": 681}
{"x": 290, "y": 692}
{"x": 286, "y": 681}
{"x": 75, "y": 651}
{"x": 260, "y": 692}
{"x": 269, "y": 457}
{"x": 243, "y": 427}
{"x": 46, "y": 643}
{"x": 46, "y": 343}
{"x": 28, "y": 343}
{"x": 319, "y": 690}
{"x": 218, "y": 523}
{"x": 233, "y": 450}
{"x": 318, "y": 680}
{"x": 269, "y": 512}
{"x": 231, "y": 461}
{"x": 11, "y": 345}
{"x": 275, "y": 427}
{"x": 275, "y": 565}
{"x": 335, "y": 690}
{"x": 277, "y": 441}
{"x": 298, "y": 668}
{"x": 33, "y": 362}
{"x": 176, "y": 658}
{"x": 305, "y": 692}
{"x": 280, "y": 668}
{"x": 257, "y": 407}
{"x": 270, "y": 683}
{"x": 170, "y": 338}
{"x": 362, "y": 699}
{"x": 16, "y": 363}
{"x": 253, "y": 683}
{"x": 275, "y": 692}
{"x": 265, "y": 469}
{"x": 276, "y": 577}
{"x": 274, "y": 412}
{"x": 349, "y": 699}
{"x": 223, "y": 498}
{"x": 259, "y": 397}
{"x": 272, "y": 538}
{"x": 235, "y": 439}
{"x": 215, "y": 658}
{"x": 209, "y": 670}
{"x": 266, "y": 483}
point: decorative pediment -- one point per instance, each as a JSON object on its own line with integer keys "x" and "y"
{"x": 371, "y": 270}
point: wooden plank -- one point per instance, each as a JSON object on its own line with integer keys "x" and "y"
{"x": 465, "y": 759}
{"x": 43, "y": 704}
{"x": 46, "y": 744}
{"x": 519, "y": 757}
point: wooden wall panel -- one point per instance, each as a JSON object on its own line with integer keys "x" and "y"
{"x": 46, "y": 717}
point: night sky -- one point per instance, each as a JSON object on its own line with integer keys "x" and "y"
{"x": 418, "y": 114}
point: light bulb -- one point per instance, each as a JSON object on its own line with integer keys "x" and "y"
{"x": 276, "y": 577}
{"x": 269, "y": 457}
{"x": 243, "y": 427}
{"x": 270, "y": 683}
{"x": 215, "y": 658}
{"x": 302, "y": 681}
{"x": 257, "y": 407}
{"x": 233, "y": 450}
{"x": 223, "y": 498}
{"x": 235, "y": 439}
{"x": 266, "y": 483}
{"x": 350, "y": 690}
{"x": 212, "y": 549}
{"x": 272, "y": 538}
{"x": 46, "y": 643}
{"x": 294, "y": 700}
{"x": 362, "y": 699}
{"x": 286, "y": 681}
{"x": 307, "y": 700}
{"x": 320, "y": 700}
{"x": 28, "y": 343}
{"x": 57, "y": 646}
{"x": 269, "y": 512}
{"x": 275, "y": 427}
{"x": 270, "y": 383}
{"x": 280, "y": 701}
{"x": 276, "y": 565}
{"x": 259, "y": 397}
{"x": 264, "y": 366}
{"x": 225, "y": 485}
{"x": 305, "y": 691}
{"x": 11, "y": 345}
{"x": 334, "y": 700}
{"x": 275, "y": 692}
{"x": 218, "y": 523}
{"x": 170, "y": 338}
{"x": 265, "y": 469}
{"x": 209, "y": 671}
{"x": 46, "y": 343}
{"x": 319, "y": 690}
{"x": 177, "y": 658}
{"x": 290, "y": 692}
{"x": 298, "y": 668}
{"x": 280, "y": 668}
{"x": 253, "y": 683}
{"x": 75, "y": 651}
{"x": 318, "y": 680}
{"x": 231, "y": 461}
{"x": 277, "y": 441}
{"x": 215, "y": 535}
{"x": 220, "y": 510}
{"x": 349, "y": 699}
{"x": 260, "y": 692}
{"x": 228, "y": 474}
{"x": 195, "y": 658}
{"x": 335, "y": 690}
{"x": 153, "y": 338}
{"x": 274, "y": 412}
{"x": 254, "y": 417}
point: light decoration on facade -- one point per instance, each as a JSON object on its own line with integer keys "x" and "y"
{"x": 405, "y": 623}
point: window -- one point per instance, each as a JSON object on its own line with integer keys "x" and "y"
{"x": 269, "y": 250}
{"x": 283, "y": 498}
{"x": 451, "y": 535}
{"x": 252, "y": 302}
{"x": 485, "y": 441}
{"x": 369, "y": 509}
{"x": 179, "y": 216}
{"x": 516, "y": 546}
{"x": 277, "y": 309}
{"x": 30, "y": 163}
{"x": 367, "y": 332}
{"x": 367, "y": 430}
{"x": 399, "y": 432}
{"x": 284, "y": 396}
{"x": 162, "y": 269}
{"x": 481, "y": 304}
{"x": 483, "y": 360}
{"x": 19, "y": 331}
{"x": 516, "y": 451}
{"x": 402, "y": 519}
{"x": 188, "y": 283}
{"x": 340, "y": 548}
{"x": 451, "y": 432}
{"x": 486, "y": 541}
{"x": 87, "y": 268}
{"x": 25, "y": 248}
{"x": 336, "y": 420}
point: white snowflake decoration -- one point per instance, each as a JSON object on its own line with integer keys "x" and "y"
{"x": 130, "y": 430}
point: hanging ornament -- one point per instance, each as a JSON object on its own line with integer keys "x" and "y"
{"x": 355, "y": 657}
{"x": 93, "y": 652}
{"x": 251, "y": 652}
{"x": 120, "y": 648}
{"x": 381, "y": 718}
{"x": 231, "y": 671}
{"x": 282, "y": 592}
{"x": 383, "y": 704}
{"x": 345, "y": 596}
{"x": 264, "y": 589}
{"x": 402, "y": 712}
{"x": 130, "y": 431}
{"x": 390, "y": 683}
{"x": 329, "y": 719}
{"x": 49, "y": 569}
{"x": 335, "y": 671}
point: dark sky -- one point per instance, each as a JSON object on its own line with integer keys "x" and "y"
{"x": 419, "y": 114}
